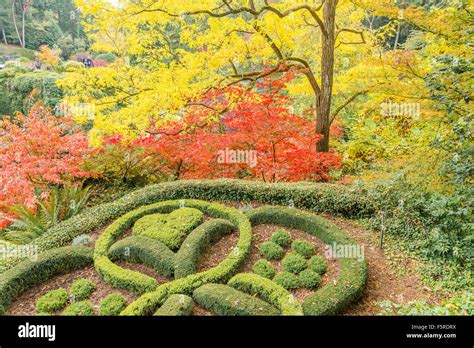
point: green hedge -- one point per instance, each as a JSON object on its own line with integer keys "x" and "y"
{"x": 267, "y": 290}
{"x": 147, "y": 303}
{"x": 352, "y": 277}
{"x": 318, "y": 197}
{"x": 170, "y": 229}
{"x": 49, "y": 264}
{"x": 176, "y": 305}
{"x": 225, "y": 300}
{"x": 187, "y": 258}
{"x": 144, "y": 250}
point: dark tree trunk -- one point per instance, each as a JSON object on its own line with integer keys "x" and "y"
{"x": 323, "y": 101}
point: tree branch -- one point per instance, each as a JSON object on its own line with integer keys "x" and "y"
{"x": 347, "y": 102}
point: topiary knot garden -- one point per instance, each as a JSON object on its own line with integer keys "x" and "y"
{"x": 170, "y": 249}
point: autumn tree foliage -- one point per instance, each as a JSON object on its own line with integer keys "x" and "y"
{"x": 258, "y": 121}
{"x": 38, "y": 150}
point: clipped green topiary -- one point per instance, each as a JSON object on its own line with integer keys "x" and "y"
{"x": 186, "y": 260}
{"x": 113, "y": 304}
{"x": 146, "y": 251}
{"x": 309, "y": 278}
{"x": 287, "y": 280}
{"x": 318, "y": 264}
{"x": 52, "y": 301}
{"x": 271, "y": 251}
{"x": 176, "y": 305}
{"x": 302, "y": 247}
{"x": 170, "y": 229}
{"x": 81, "y": 289}
{"x": 263, "y": 268}
{"x": 225, "y": 300}
{"x": 293, "y": 263}
{"x": 281, "y": 237}
{"x": 317, "y": 197}
{"x": 29, "y": 273}
{"x": 82, "y": 308}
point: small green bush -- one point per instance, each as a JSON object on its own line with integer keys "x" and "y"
{"x": 109, "y": 57}
{"x": 309, "y": 278}
{"x": 176, "y": 305}
{"x": 287, "y": 280}
{"x": 271, "y": 251}
{"x": 293, "y": 263}
{"x": 82, "y": 308}
{"x": 30, "y": 273}
{"x": 302, "y": 247}
{"x": 113, "y": 304}
{"x": 318, "y": 264}
{"x": 263, "y": 268}
{"x": 82, "y": 289}
{"x": 281, "y": 237}
{"x": 52, "y": 301}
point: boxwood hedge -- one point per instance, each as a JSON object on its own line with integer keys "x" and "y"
{"x": 144, "y": 250}
{"x": 352, "y": 277}
{"x": 318, "y": 197}
{"x": 225, "y": 300}
{"x": 147, "y": 303}
{"x": 187, "y": 258}
{"x": 33, "y": 272}
{"x": 177, "y": 305}
{"x": 268, "y": 291}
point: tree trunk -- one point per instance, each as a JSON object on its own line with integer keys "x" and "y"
{"x": 4, "y": 35}
{"x": 323, "y": 101}
{"x": 23, "y": 12}
{"x": 15, "y": 24}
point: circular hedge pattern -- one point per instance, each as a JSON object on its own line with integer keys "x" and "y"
{"x": 170, "y": 236}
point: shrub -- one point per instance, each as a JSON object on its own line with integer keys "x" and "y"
{"x": 170, "y": 229}
{"x": 144, "y": 250}
{"x": 72, "y": 65}
{"x": 309, "y": 279}
{"x": 61, "y": 204}
{"x": 287, "y": 280}
{"x": 52, "y": 301}
{"x": 176, "y": 305}
{"x": 83, "y": 239}
{"x": 271, "y": 251}
{"x": 186, "y": 260}
{"x": 263, "y": 268}
{"x": 302, "y": 247}
{"x": 225, "y": 300}
{"x": 109, "y": 57}
{"x": 82, "y": 289}
{"x": 82, "y": 308}
{"x": 336, "y": 199}
{"x": 267, "y": 290}
{"x": 30, "y": 273}
{"x": 281, "y": 237}
{"x": 293, "y": 263}
{"x": 318, "y": 264}
{"x": 113, "y": 304}
{"x": 352, "y": 277}
{"x": 147, "y": 303}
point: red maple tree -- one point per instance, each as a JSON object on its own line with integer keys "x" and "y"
{"x": 36, "y": 151}
{"x": 243, "y": 119}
